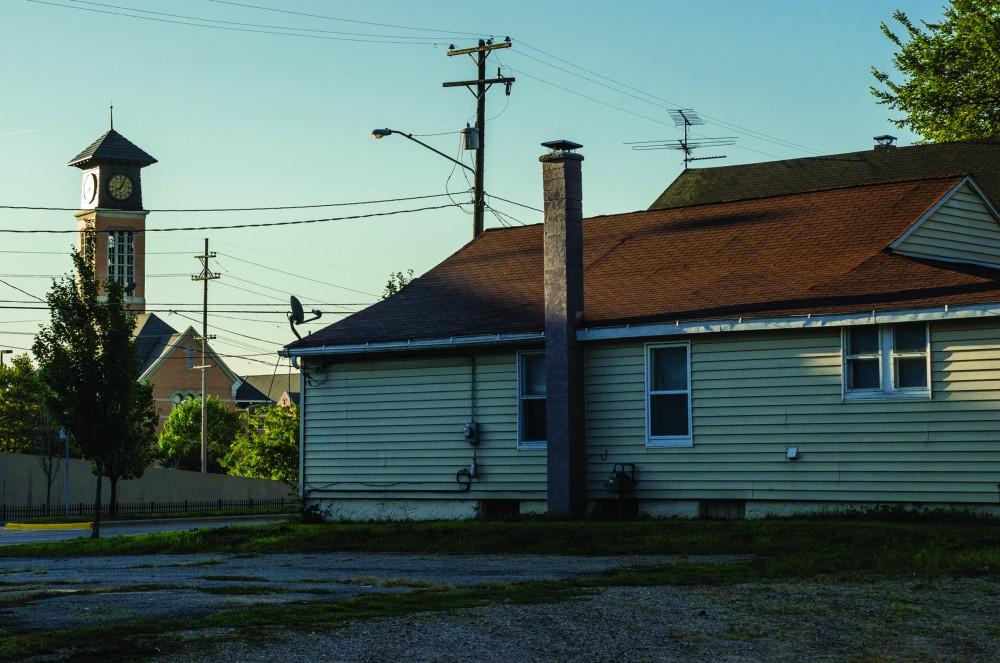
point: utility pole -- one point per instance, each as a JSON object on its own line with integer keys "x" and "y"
{"x": 206, "y": 275}
{"x": 479, "y": 54}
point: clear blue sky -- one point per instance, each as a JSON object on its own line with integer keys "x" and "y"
{"x": 240, "y": 118}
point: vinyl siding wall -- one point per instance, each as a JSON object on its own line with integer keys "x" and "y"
{"x": 754, "y": 394}
{"x": 963, "y": 229}
{"x": 400, "y": 421}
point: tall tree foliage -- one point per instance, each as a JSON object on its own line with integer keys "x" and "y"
{"x": 269, "y": 449}
{"x": 22, "y": 396}
{"x": 180, "y": 441}
{"x": 87, "y": 359}
{"x": 952, "y": 70}
{"x": 397, "y": 281}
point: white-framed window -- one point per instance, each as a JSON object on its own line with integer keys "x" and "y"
{"x": 121, "y": 257}
{"x": 887, "y": 361}
{"x": 531, "y": 432}
{"x": 668, "y": 395}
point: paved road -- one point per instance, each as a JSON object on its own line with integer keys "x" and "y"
{"x": 10, "y": 537}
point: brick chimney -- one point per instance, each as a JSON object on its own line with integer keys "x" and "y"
{"x": 564, "y": 390}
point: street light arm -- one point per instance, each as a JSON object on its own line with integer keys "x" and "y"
{"x": 435, "y": 150}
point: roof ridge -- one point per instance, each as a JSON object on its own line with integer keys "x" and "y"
{"x": 834, "y": 157}
{"x": 860, "y": 185}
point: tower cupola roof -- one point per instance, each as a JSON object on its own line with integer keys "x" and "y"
{"x": 112, "y": 147}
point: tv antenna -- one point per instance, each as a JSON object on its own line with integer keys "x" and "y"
{"x": 297, "y": 316}
{"x": 687, "y": 118}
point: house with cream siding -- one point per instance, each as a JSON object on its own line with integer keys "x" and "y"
{"x": 825, "y": 347}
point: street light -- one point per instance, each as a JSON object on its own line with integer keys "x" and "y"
{"x": 4, "y": 352}
{"x": 472, "y": 143}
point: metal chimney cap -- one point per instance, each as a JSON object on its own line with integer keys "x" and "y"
{"x": 885, "y": 139}
{"x": 562, "y": 145}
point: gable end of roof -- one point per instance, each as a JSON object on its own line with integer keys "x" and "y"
{"x": 962, "y": 227}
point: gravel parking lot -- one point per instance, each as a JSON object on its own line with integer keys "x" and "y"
{"x": 864, "y": 623}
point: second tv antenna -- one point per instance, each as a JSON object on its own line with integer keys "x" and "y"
{"x": 687, "y": 118}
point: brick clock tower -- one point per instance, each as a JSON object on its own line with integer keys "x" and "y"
{"x": 111, "y": 205}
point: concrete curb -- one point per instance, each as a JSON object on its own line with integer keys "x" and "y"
{"x": 46, "y": 526}
{"x": 107, "y": 524}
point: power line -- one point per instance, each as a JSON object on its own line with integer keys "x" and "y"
{"x": 759, "y": 134}
{"x": 299, "y": 276}
{"x": 230, "y": 331}
{"x": 344, "y": 20}
{"x": 533, "y": 209}
{"x": 188, "y": 310}
{"x": 412, "y": 40}
{"x": 254, "y": 25}
{"x": 625, "y": 110}
{"x": 281, "y": 303}
{"x": 239, "y": 209}
{"x": 270, "y": 224}
{"x": 507, "y": 216}
{"x": 23, "y": 292}
{"x": 66, "y": 253}
{"x": 252, "y": 292}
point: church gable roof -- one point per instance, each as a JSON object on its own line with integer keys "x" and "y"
{"x": 112, "y": 146}
{"x": 152, "y": 336}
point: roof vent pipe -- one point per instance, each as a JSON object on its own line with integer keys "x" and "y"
{"x": 884, "y": 142}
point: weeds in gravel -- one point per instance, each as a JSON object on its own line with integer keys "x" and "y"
{"x": 151, "y": 637}
{"x": 931, "y": 547}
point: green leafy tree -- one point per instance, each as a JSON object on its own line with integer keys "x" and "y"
{"x": 269, "y": 448}
{"x": 87, "y": 359}
{"x": 22, "y": 400}
{"x": 397, "y": 281}
{"x": 180, "y": 441}
{"x": 952, "y": 70}
{"x": 49, "y": 451}
{"x": 133, "y": 460}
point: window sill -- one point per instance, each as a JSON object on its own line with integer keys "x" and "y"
{"x": 528, "y": 446}
{"x": 668, "y": 442}
{"x": 881, "y": 396}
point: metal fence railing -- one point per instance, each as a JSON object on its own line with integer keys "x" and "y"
{"x": 83, "y": 509}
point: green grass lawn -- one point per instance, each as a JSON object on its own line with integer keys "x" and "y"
{"x": 927, "y": 546}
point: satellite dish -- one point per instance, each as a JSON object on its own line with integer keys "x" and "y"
{"x": 297, "y": 316}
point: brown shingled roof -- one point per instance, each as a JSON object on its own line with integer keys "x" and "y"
{"x": 702, "y": 186}
{"x": 812, "y": 252}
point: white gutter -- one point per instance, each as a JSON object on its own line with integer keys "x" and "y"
{"x": 679, "y": 328}
{"x": 805, "y": 321}
{"x": 420, "y": 344}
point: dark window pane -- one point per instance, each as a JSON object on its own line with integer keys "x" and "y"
{"x": 863, "y": 374}
{"x": 911, "y": 373}
{"x": 863, "y": 340}
{"x": 533, "y": 375}
{"x": 668, "y": 415}
{"x": 670, "y": 368}
{"x": 909, "y": 337}
{"x": 533, "y": 420}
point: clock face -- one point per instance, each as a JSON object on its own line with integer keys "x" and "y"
{"x": 89, "y": 187}
{"x": 120, "y": 186}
